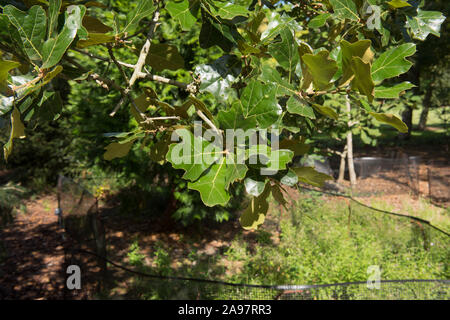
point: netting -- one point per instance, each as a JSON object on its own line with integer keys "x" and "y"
{"x": 387, "y": 290}
{"x": 83, "y": 230}
{"x": 384, "y": 290}
{"x": 87, "y": 249}
{"x": 398, "y": 175}
{"x": 438, "y": 174}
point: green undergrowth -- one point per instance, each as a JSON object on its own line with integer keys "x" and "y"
{"x": 316, "y": 241}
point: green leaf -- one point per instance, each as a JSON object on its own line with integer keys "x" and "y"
{"x": 94, "y": 39}
{"x": 53, "y": 14}
{"x": 17, "y": 131}
{"x": 271, "y": 75}
{"x": 290, "y": 179}
{"x": 424, "y": 23}
{"x": 326, "y": 111}
{"x": 285, "y": 52}
{"x": 382, "y": 92}
{"x": 295, "y": 144}
{"x": 304, "y": 48}
{"x": 6, "y": 104}
{"x": 363, "y": 80}
{"x": 256, "y": 212}
{"x": 143, "y": 9}
{"x": 222, "y": 34}
{"x": 199, "y": 105}
{"x": 391, "y": 120}
{"x": 159, "y": 150}
{"x": 319, "y": 20}
{"x": 393, "y": 62}
{"x": 186, "y": 12}
{"x": 247, "y": 49}
{"x": 349, "y": 50}
{"x": 299, "y": 106}
{"x": 322, "y": 69}
{"x": 164, "y": 57}
{"x": 48, "y": 108}
{"x": 212, "y": 185}
{"x": 234, "y": 118}
{"x": 54, "y": 48}
{"x": 259, "y": 102}
{"x": 5, "y": 67}
{"x": 345, "y": 9}
{"x": 228, "y": 10}
{"x": 254, "y": 187}
{"x": 218, "y": 77}
{"x": 310, "y": 176}
{"x": 276, "y": 24}
{"x": 235, "y": 171}
{"x": 399, "y": 4}
{"x": 278, "y": 195}
{"x": 365, "y": 105}
{"x": 32, "y": 28}
{"x": 365, "y": 138}
{"x": 93, "y": 25}
{"x": 117, "y": 150}
{"x": 190, "y": 155}
{"x": 278, "y": 160}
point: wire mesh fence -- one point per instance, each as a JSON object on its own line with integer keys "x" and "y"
{"x": 398, "y": 175}
{"x": 86, "y": 247}
{"x": 438, "y": 175}
{"x": 83, "y": 230}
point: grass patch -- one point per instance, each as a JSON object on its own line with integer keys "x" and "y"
{"x": 319, "y": 242}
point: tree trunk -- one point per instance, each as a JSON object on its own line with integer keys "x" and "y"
{"x": 351, "y": 167}
{"x": 342, "y": 165}
{"x": 407, "y": 119}
{"x": 426, "y": 108}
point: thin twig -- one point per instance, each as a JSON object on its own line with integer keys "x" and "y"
{"x": 209, "y": 122}
{"x": 119, "y": 66}
{"x": 91, "y": 55}
{"x": 153, "y": 77}
{"x": 164, "y": 118}
{"x": 144, "y": 75}
{"x": 109, "y": 83}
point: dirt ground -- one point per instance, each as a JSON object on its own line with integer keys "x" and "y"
{"x": 32, "y": 255}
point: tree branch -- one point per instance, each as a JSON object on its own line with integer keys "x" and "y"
{"x": 209, "y": 122}
{"x": 145, "y": 49}
{"x": 106, "y": 83}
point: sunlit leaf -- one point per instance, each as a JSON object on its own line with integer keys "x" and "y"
{"x": 326, "y": 111}
{"x": 322, "y": 69}
{"x": 117, "y": 150}
{"x": 363, "y": 80}
{"x": 392, "y": 92}
{"x": 310, "y": 176}
{"x": 392, "y": 120}
{"x": 143, "y": 9}
{"x": 17, "y": 131}
{"x": 255, "y": 213}
{"x": 424, "y": 23}
{"x": 32, "y": 27}
{"x": 299, "y": 106}
{"x": 54, "y": 48}
{"x": 393, "y": 62}
{"x": 345, "y": 9}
